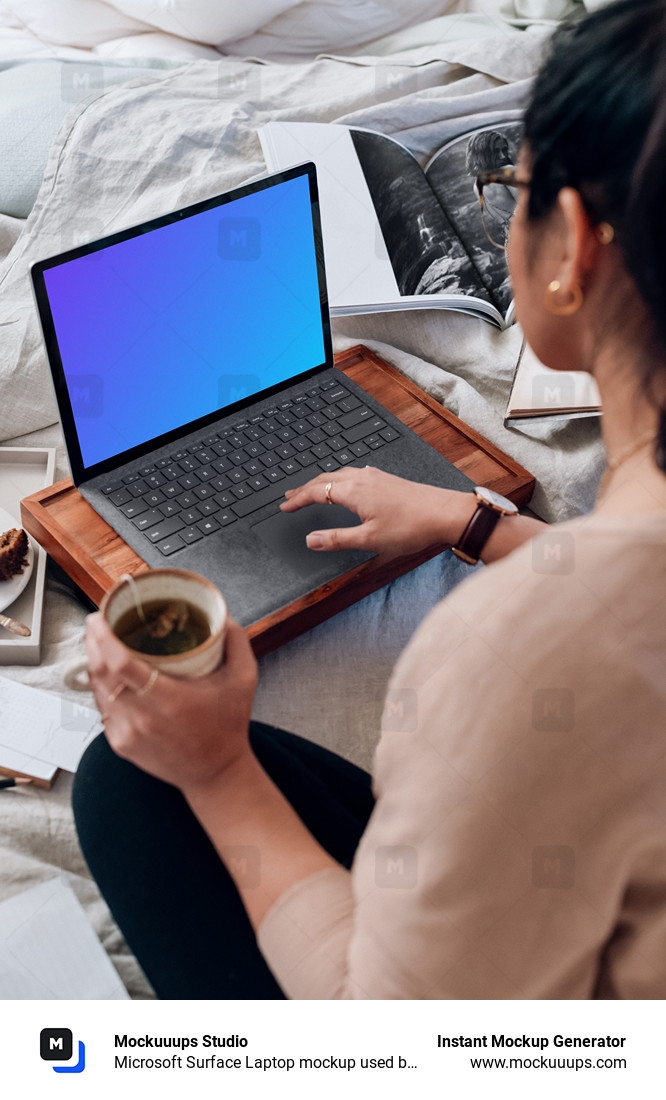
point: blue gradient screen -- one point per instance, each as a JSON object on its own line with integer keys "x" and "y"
{"x": 178, "y": 322}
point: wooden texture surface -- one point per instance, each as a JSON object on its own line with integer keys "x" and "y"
{"x": 95, "y": 557}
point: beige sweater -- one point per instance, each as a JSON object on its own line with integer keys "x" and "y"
{"x": 518, "y": 844}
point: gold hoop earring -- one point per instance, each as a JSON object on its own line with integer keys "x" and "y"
{"x": 565, "y": 309}
{"x": 605, "y": 232}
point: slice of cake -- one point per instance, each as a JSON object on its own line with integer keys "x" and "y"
{"x": 13, "y": 553}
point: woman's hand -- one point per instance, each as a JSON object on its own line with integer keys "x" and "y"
{"x": 397, "y": 516}
{"x": 186, "y": 732}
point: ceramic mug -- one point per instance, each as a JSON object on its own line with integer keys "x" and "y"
{"x": 164, "y": 584}
{"x": 541, "y": 9}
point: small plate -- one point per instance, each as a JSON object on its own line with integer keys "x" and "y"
{"x": 11, "y": 590}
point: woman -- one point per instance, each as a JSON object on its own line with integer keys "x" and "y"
{"x": 514, "y": 840}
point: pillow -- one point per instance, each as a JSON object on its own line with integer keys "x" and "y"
{"x": 329, "y": 26}
{"x": 210, "y": 21}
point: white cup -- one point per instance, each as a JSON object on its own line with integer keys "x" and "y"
{"x": 164, "y": 584}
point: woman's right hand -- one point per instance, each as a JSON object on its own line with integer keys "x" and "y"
{"x": 398, "y": 517}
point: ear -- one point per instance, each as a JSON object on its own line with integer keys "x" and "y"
{"x": 579, "y": 242}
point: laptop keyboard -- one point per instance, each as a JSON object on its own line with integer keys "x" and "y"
{"x": 224, "y": 476}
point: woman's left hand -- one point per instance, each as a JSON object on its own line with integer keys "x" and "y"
{"x": 186, "y": 732}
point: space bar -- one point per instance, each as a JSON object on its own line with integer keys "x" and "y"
{"x": 265, "y": 496}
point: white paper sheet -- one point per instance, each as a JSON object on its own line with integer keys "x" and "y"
{"x": 40, "y": 732}
{"x": 48, "y": 950}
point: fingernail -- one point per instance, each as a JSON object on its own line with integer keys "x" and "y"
{"x": 314, "y": 541}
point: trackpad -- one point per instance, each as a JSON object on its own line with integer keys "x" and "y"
{"x": 285, "y": 534}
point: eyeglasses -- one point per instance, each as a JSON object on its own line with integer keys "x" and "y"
{"x": 498, "y": 194}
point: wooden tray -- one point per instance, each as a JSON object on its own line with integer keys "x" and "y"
{"x": 95, "y": 557}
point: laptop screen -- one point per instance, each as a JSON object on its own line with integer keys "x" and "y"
{"x": 181, "y": 320}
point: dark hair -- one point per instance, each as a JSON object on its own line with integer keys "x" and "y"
{"x": 487, "y": 150}
{"x": 597, "y": 122}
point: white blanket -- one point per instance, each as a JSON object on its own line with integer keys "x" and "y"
{"x": 134, "y": 151}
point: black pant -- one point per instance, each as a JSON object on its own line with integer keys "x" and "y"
{"x": 163, "y": 881}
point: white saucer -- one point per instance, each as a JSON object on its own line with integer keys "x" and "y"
{"x": 10, "y": 590}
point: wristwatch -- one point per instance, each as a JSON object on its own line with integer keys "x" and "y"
{"x": 489, "y": 509}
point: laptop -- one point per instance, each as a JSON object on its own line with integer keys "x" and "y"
{"x": 192, "y": 364}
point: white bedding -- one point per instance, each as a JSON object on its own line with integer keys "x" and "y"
{"x": 135, "y": 150}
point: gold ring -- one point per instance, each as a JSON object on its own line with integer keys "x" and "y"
{"x": 328, "y": 492}
{"x": 113, "y": 695}
{"x": 149, "y": 684}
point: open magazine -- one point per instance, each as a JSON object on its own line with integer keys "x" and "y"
{"x": 399, "y": 236}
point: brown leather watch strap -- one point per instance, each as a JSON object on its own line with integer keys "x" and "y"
{"x": 476, "y": 534}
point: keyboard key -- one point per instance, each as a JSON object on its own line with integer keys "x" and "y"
{"x": 313, "y": 391}
{"x": 121, "y": 496}
{"x": 257, "y": 500}
{"x": 238, "y": 475}
{"x": 164, "y": 529}
{"x": 271, "y": 425}
{"x": 317, "y": 420}
{"x": 169, "y": 508}
{"x": 210, "y": 440}
{"x": 344, "y": 457}
{"x": 155, "y": 480}
{"x": 269, "y": 459}
{"x": 321, "y": 450}
{"x": 237, "y": 441}
{"x": 255, "y": 483}
{"x": 154, "y": 498}
{"x": 148, "y": 519}
{"x": 285, "y": 451}
{"x": 222, "y": 465}
{"x": 130, "y": 478}
{"x": 328, "y": 464}
{"x": 290, "y": 467}
{"x": 285, "y": 418}
{"x": 222, "y": 449}
{"x": 253, "y": 468}
{"x": 389, "y": 434}
{"x": 285, "y": 434}
{"x": 177, "y": 455}
{"x": 331, "y": 427}
{"x": 172, "y": 472}
{"x": 300, "y": 397}
{"x": 190, "y": 534}
{"x": 270, "y": 442}
{"x": 256, "y": 419}
{"x": 350, "y": 419}
{"x": 225, "y": 500}
{"x": 240, "y": 424}
{"x": 191, "y": 515}
{"x": 335, "y": 394}
{"x": 205, "y": 473}
{"x": 225, "y": 518}
{"x": 306, "y": 458}
{"x": 207, "y": 507}
{"x": 207, "y": 526}
{"x": 162, "y": 462}
{"x": 329, "y": 384}
{"x": 238, "y": 457}
{"x": 189, "y": 464}
{"x": 270, "y": 412}
{"x": 301, "y": 444}
{"x": 302, "y": 426}
{"x": 187, "y": 500}
{"x": 333, "y": 412}
{"x": 364, "y": 429}
{"x": 348, "y": 403}
{"x": 169, "y": 546}
{"x": 254, "y": 449}
{"x": 206, "y": 457}
{"x": 134, "y": 508}
{"x": 285, "y": 405}
{"x": 377, "y": 443}
{"x": 188, "y": 481}
{"x": 336, "y": 442}
{"x": 194, "y": 447}
{"x": 220, "y": 483}
{"x": 171, "y": 490}
{"x": 253, "y": 434}
{"x": 241, "y": 491}
{"x": 112, "y": 486}
{"x": 359, "y": 449}
{"x": 138, "y": 488}
{"x": 315, "y": 404}
{"x": 274, "y": 474}
{"x": 145, "y": 470}
{"x": 204, "y": 491}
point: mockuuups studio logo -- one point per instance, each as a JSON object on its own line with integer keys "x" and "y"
{"x": 400, "y": 711}
{"x": 239, "y": 239}
{"x": 80, "y": 79}
{"x": 550, "y": 391}
{"x": 395, "y": 81}
{"x": 56, "y": 1045}
{"x": 87, "y": 395}
{"x": 236, "y": 387}
{"x": 396, "y": 867}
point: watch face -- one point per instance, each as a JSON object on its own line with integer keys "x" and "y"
{"x": 495, "y": 500}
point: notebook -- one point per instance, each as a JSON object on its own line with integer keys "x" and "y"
{"x": 192, "y": 363}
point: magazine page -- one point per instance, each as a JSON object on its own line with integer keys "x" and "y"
{"x": 360, "y": 272}
{"x": 426, "y": 254}
{"x": 452, "y": 176}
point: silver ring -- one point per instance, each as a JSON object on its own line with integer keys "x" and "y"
{"x": 328, "y": 492}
